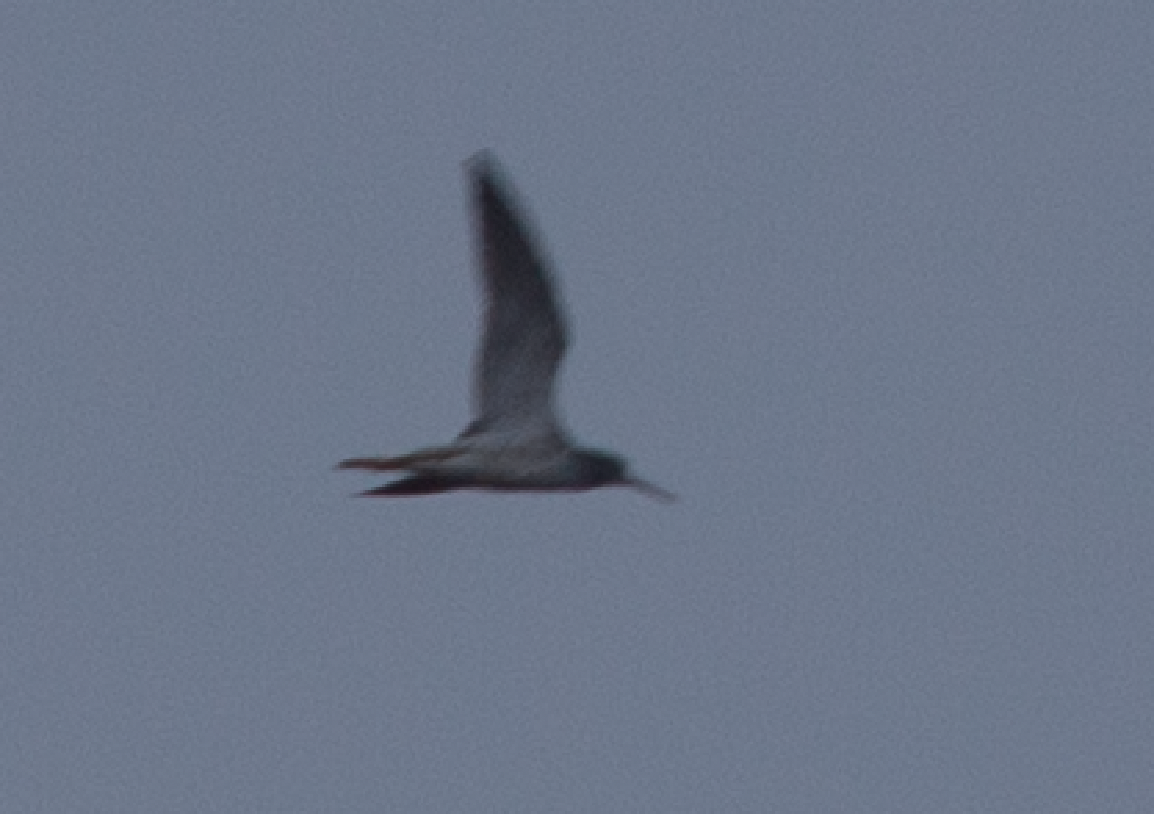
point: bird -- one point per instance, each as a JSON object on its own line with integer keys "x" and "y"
{"x": 515, "y": 442}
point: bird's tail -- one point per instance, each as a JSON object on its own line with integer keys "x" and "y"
{"x": 410, "y": 461}
{"x": 417, "y": 485}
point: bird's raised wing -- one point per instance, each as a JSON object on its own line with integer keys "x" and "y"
{"x": 524, "y": 335}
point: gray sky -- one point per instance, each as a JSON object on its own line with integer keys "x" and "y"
{"x": 869, "y": 285}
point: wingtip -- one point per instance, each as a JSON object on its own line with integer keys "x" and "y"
{"x": 482, "y": 164}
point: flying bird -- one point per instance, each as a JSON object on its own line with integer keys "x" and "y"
{"x": 516, "y": 441}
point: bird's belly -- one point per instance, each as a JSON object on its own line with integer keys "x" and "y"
{"x": 507, "y": 466}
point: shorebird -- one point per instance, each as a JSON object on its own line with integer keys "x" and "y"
{"x": 516, "y": 441}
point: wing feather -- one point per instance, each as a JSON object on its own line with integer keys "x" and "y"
{"x": 524, "y": 335}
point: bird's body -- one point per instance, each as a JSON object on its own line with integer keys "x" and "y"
{"x": 516, "y": 441}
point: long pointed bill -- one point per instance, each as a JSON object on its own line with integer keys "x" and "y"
{"x": 651, "y": 490}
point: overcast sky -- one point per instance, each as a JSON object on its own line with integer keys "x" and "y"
{"x": 870, "y": 285}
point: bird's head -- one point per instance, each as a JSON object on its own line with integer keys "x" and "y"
{"x": 606, "y": 469}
